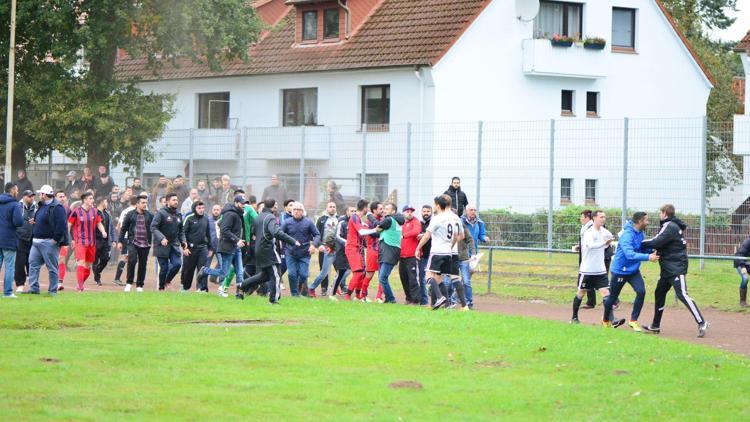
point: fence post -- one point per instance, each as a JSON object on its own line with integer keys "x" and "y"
{"x": 624, "y": 216}
{"x": 489, "y": 271}
{"x": 244, "y": 157}
{"x": 190, "y": 156}
{"x": 551, "y": 193}
{"x": 364, "y": 162}
{"x": 302, "y": 167}
{"x": 49, "y": 168}
{"x": 480, "y": 132}
{"x": 408, "y": 163}
{"x": 704, "y": 136}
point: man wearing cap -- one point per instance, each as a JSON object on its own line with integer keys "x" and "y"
{"x": 49, "y": 234}
{"x": 28, "y": 209}
{"x": 407, "y": 264}
{"x": 230, "y": 243}
{"x": 73, "y": 183}
{"x": 10, "y": 221}
{"x": 166, "y": 229}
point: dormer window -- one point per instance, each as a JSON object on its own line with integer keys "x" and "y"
{"x": 331, "y": 23}
{"x": 310, "y": 25}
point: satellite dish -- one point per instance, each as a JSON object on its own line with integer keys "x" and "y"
{"x": 526, "y": 10}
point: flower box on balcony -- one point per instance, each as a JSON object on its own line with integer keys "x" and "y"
{"x": 561, "y": 41}
{"x": 594, "y": 43}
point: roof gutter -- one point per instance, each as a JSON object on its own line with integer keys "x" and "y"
{"x": 347, "y": 31}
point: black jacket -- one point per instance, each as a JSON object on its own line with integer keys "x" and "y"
{"x": 128, "y": 226}
{"x": 458, "y": 199}
{"x": 230, "y": 229}
{"x": 109, "y": 225}
{"x": 744, "y": 252}
{"x": 167, "y": 224}
{"x": 196, "y": 231}
{"x": 267, "y": 232}
{"x": 27, "y": 212}
{"x": 671, "y": 246}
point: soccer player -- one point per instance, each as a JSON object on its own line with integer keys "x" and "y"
{"x": 62, "y": 267}
{"x": 445, "y": 230}
{"x": 389, "y": 248}
{"x": 355, "y": 250}
{"x": 585, "y": 219}
{"x": 82, "y": 223}
{"x": 371, "y": 255}
{"x": 671, "y": 246}
{"x": 626, "y": 269}
{"x": 593, "y": 272}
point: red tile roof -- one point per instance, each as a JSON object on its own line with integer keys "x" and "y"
{"x": 744, "y": 45}
{"x": 398, "y": 33}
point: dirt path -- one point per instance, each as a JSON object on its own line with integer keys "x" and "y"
{"x": 729, "y": 331}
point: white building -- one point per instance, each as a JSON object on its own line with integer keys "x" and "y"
{"x": 409, "y": 68}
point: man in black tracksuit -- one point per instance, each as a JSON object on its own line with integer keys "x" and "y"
{"x": 103, "y": 245}
{"x": 28, "y": 209}
{"x": 167, "y": 231}
{"x": 671, "y": 247}
{"x": 196, "y": 236}
{"x": 267, "y": 260}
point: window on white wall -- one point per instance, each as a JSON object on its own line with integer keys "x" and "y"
{"x": 592, "y": 104}
{"x": 566, "y": 102}
{"x": 301, "y": 107}
{"x": 623, "y": 28}
{"x": 591, "y": 191}
{"x": 213, "y": 110}
{"x": 558, "y": 18}
{"x": 566, "y": 190}
{"x": 376, "y": 106}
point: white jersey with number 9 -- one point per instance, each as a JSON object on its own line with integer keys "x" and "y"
{"x": 444, "y": 228}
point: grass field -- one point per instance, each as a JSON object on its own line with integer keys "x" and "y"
{"x": 112, "y": 356}
{"x": 534, "y": 275}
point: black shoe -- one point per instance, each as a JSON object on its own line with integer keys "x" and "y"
{"x": 239, "y": 296}
{"x": 588, "y": 306}
{"x": 117, "y": 282}
{"x": 651, "y": 329}
{"x": 98, "y": 282}
{"x": 618, "y": 322}
{"x": 439, "y": 303}
{"x": 30, "y": 293}
{"x": 574, "y": 321}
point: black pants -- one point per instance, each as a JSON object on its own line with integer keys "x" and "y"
{"x": 101, "y": 259}
{"x": 22, "y": 261}
{"x": 140, "y": 255}
{"x": 269, "y": 275}
{"x": 195, "y": 261}
{"x": 324, "y": 282}
{"x": 680, "y": 290}
{"x": 409, "y": 274}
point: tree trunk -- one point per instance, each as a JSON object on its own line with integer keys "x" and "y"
{"x": 18, "y": 160}
{"x": 96, "y": 155}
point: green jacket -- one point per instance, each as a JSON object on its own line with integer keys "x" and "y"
{"x": 248, "y": 218}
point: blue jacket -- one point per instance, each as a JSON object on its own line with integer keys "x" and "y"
{"x": 42, "y": 227}
{"x": 10, "y": 219}
{"x": 629, "y": 252}
{"x": 303, "y": 231}
{"x": 477, "y": 230}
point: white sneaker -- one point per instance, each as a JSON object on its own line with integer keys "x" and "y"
{"x": 11, "y": 296}
{"x": 139, "y": 289}
{"x": 333, "y": 298}
{"x": 127, "y": 288}
{"x": 19, "y": 289}
{"x": 380, "y": 300}
{"x": 222, "y": 292}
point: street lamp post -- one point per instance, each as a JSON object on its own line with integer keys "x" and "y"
{"x": 11, "y": 89}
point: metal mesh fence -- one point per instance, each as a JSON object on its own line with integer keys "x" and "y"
{"x": 529, "y": 179}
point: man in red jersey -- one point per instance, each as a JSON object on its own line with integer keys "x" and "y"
{"x": 374, "y": 217}
{"x": 82, "y": 223}
{"x": 355, "y": 248}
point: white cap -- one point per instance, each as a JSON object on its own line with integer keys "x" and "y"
{"x": 46, "y": 190}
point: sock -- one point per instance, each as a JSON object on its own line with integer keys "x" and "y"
{"x": 443, "y": 289}
{"x": 364, "y": 286}
{"x": 576, "y": 304}
{"x": 120, "y": 268}
{"x": 61, "y": 270}
{"x": 435, "y": 288}
{"x": 657, "y": 317}
{"x": 380, "y": 291}
{"x": 611, "y": 315}
{"x": 458, "y": 285}
{"x": 86, "y": 273}
{"x": 80, "y": 271}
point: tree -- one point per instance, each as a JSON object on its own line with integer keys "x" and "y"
{"x": 69, "y": 52}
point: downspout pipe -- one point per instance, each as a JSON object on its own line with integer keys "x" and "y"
{"x": 347, "y": 31}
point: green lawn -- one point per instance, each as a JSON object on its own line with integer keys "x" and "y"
{"x": 535, "y": 275}
{"x": 113, "y": 356}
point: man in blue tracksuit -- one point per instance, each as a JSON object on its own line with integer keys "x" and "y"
{"x": 626, "y": 268}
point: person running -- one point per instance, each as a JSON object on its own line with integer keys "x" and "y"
{"x": 298, "y": 257}
{"x": 230, "y": 243}
{"x": 626, "y": 269}
{"x": 671, "y": 246}
{"x": 741, "y": 265}
{"x": 248, "y": 251}
{"x": 585, "y": 219}
{"x": 28, "y": 209}
{"x": 11, "y": 219}
{"x": 390, "y": 229}
{"x": 371, "y": 255}
{"x": 407, "y": 263}
{"x": 123, "y": 258}
{"x": 445, "y": 230}
{"x": 196, "y": 238}
{"x": 267, "y": 260}
{"x": 166, "y": 228}
{"x": 326, "y": 226}
{"x": 341, "y": 264}
{"x": 593, "y": 272}
{"x": 103, "y": 243}
{"x": 82, "y": 223}
{"x": 135, "y": 235}
{"x": 355, "y": 249}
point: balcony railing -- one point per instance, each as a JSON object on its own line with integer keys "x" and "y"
{"x": 541, "y": 58}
